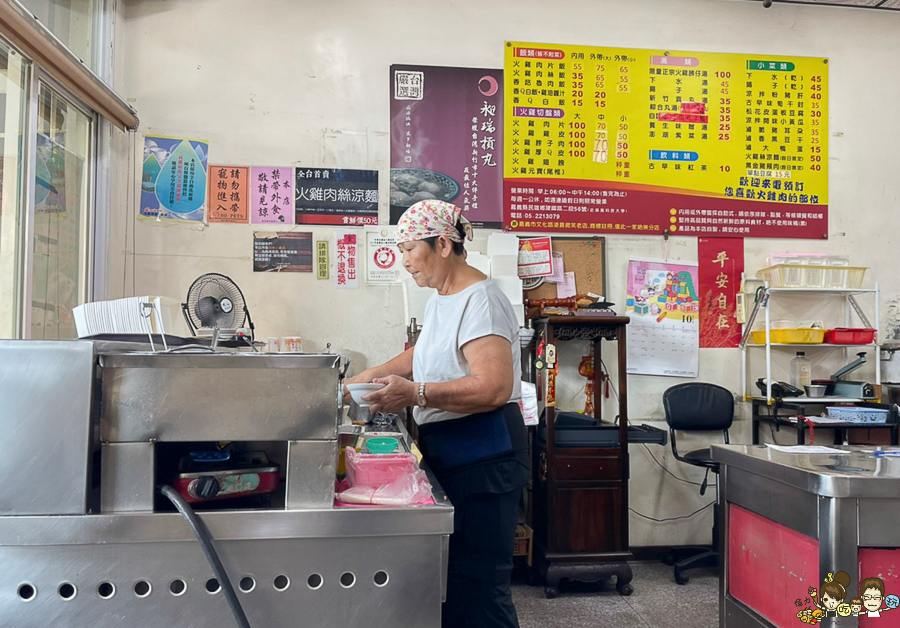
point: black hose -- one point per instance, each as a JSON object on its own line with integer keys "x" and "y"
{"x": 205, "y": 540}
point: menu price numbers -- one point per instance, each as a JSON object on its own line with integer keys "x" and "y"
{"x": 623, "y": 84}
{"x": 600, "y": 87}
{"x": 623, "y": 167}
{"x": 724, "y": 79}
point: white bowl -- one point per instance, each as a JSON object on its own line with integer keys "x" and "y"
{"x": 358, "y": 391}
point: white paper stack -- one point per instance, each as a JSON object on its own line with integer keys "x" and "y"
{"x": 504, "y": 266}
{"x": 480, "y": 262}
{"x": 503, "y": 244}
{"x": 512, "y": 288}
{"x": 129, "y": 316}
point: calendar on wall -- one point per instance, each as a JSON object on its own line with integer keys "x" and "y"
{"x": 664, "y": 332}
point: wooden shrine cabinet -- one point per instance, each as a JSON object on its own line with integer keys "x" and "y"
{"x": 580, "y": 493}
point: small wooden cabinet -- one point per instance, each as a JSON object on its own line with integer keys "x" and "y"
{"x": 580, "y": 494}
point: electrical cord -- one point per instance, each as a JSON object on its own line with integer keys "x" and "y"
{"x": 650, "y": 453}
{"x": 701, "y": 509}
{"x": 205, "y": 540}
{"x": 658, "y": 463}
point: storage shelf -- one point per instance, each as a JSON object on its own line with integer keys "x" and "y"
{"x": 841, "y": 291}
{"x": 816, "y": 400}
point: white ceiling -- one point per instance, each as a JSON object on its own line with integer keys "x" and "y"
{"x": 890, "y": 5}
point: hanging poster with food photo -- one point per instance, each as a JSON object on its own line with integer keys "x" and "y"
{"x": 664, "y": 333}
{"x": 228, "y": 201}
{"x": 346, "y": 258}
{"x": 535, "y": 257}
{"x": 282, "y": 252}
{"x": 173, "y": 180}
{"x": 446, "y": 140}
{"x": 382, "y": 256}
{"x": 271, "y": 195}
{"x": 334, "y": 196}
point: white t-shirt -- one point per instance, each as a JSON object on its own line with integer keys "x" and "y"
{"x": 450, "y": 322}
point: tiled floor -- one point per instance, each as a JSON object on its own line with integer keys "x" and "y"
{"x": 657, "y": 601}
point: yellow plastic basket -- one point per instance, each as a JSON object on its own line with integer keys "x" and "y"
{"x": 801, "y": 336}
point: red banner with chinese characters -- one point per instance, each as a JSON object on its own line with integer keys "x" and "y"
{"x": 721, "y": 262}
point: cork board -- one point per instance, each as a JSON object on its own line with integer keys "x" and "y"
{"x": 584, "y": 256}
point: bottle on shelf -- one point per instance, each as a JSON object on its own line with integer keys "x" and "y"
{"x": 801, "y": 370}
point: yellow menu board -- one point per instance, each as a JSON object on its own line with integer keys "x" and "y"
{"x": 623, "y": 140}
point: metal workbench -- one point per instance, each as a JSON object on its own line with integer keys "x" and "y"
{"x": 790, "y": 519}
{"x": 84, "y": 541}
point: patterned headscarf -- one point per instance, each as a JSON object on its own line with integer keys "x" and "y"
{"x": 429, "y": 219}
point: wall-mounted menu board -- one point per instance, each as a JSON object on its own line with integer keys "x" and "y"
{"x": 621, "y": 140}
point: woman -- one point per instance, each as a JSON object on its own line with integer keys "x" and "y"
{"x": 465, "y": 389}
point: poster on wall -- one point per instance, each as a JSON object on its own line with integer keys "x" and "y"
{"x": 282, "y": 252}
{"x": 271, "y": 195}
{"x": 346, "y": 258}
{"x": 721, "y": 266}
{"x": 621, "y": 140}
{"x": 173, "y": 181}
{"x": 382, "y": 256}
{"x": 333, "y": 196}
{"x": 535, "y": 257}
{"x": 446, "y": 129}
{"x": 664, "y": 333}
{"x": 228, "y": 201}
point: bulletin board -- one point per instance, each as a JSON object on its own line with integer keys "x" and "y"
{"x": 586, "y": 257}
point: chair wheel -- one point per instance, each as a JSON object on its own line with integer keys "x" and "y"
{"x": 624, "y": 589}
{"x": 551, "y": 592}
{"x": 669, "y": 559}
{"x": 681, "y": 578}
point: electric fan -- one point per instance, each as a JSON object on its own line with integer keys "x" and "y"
{"x": 214, "y": 302}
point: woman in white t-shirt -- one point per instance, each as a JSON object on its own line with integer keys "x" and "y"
{"x": 463, "y": 379}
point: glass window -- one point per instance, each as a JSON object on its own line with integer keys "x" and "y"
{"x": 74, "y": 22}
{"x": 61, "y": 214}
{"x": 14, "y": 80}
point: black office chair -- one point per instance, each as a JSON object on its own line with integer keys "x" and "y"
{"x": 697, "y": 407}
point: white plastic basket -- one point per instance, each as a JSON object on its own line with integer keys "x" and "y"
{"x": 813, "y": 276}
{"x": 859, "y": 415}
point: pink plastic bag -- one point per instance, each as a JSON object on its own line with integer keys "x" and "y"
{"x": 377, "y": 469}
{"x": 398, "y": 483}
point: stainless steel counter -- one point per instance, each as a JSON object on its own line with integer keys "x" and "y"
{"x": 858, "y": 472}
{"x": 82, "y": 546}
{"x": 788, "y": 519}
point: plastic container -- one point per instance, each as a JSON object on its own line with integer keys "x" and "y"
{"x": 378, "y": 469}
{"x": 801, "y": 371}
{"x": 812, "y": 275}
{"x": 859, "y": 415}
{"x": 836, "y": 276}
{"x": 799, "y": 336}
{"x": 292, "y": 344}
{"x": 382, "y": 445}
{"x": 850, "y": 336}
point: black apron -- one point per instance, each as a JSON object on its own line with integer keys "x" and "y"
{"x": 482, "y": 463}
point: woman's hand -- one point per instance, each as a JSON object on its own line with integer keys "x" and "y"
{"x": 397, "y": 394}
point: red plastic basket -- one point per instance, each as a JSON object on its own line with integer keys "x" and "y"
{"x": 850, "y": 336}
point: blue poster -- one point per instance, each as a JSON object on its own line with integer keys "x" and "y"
{"x": 173, "y": 183}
